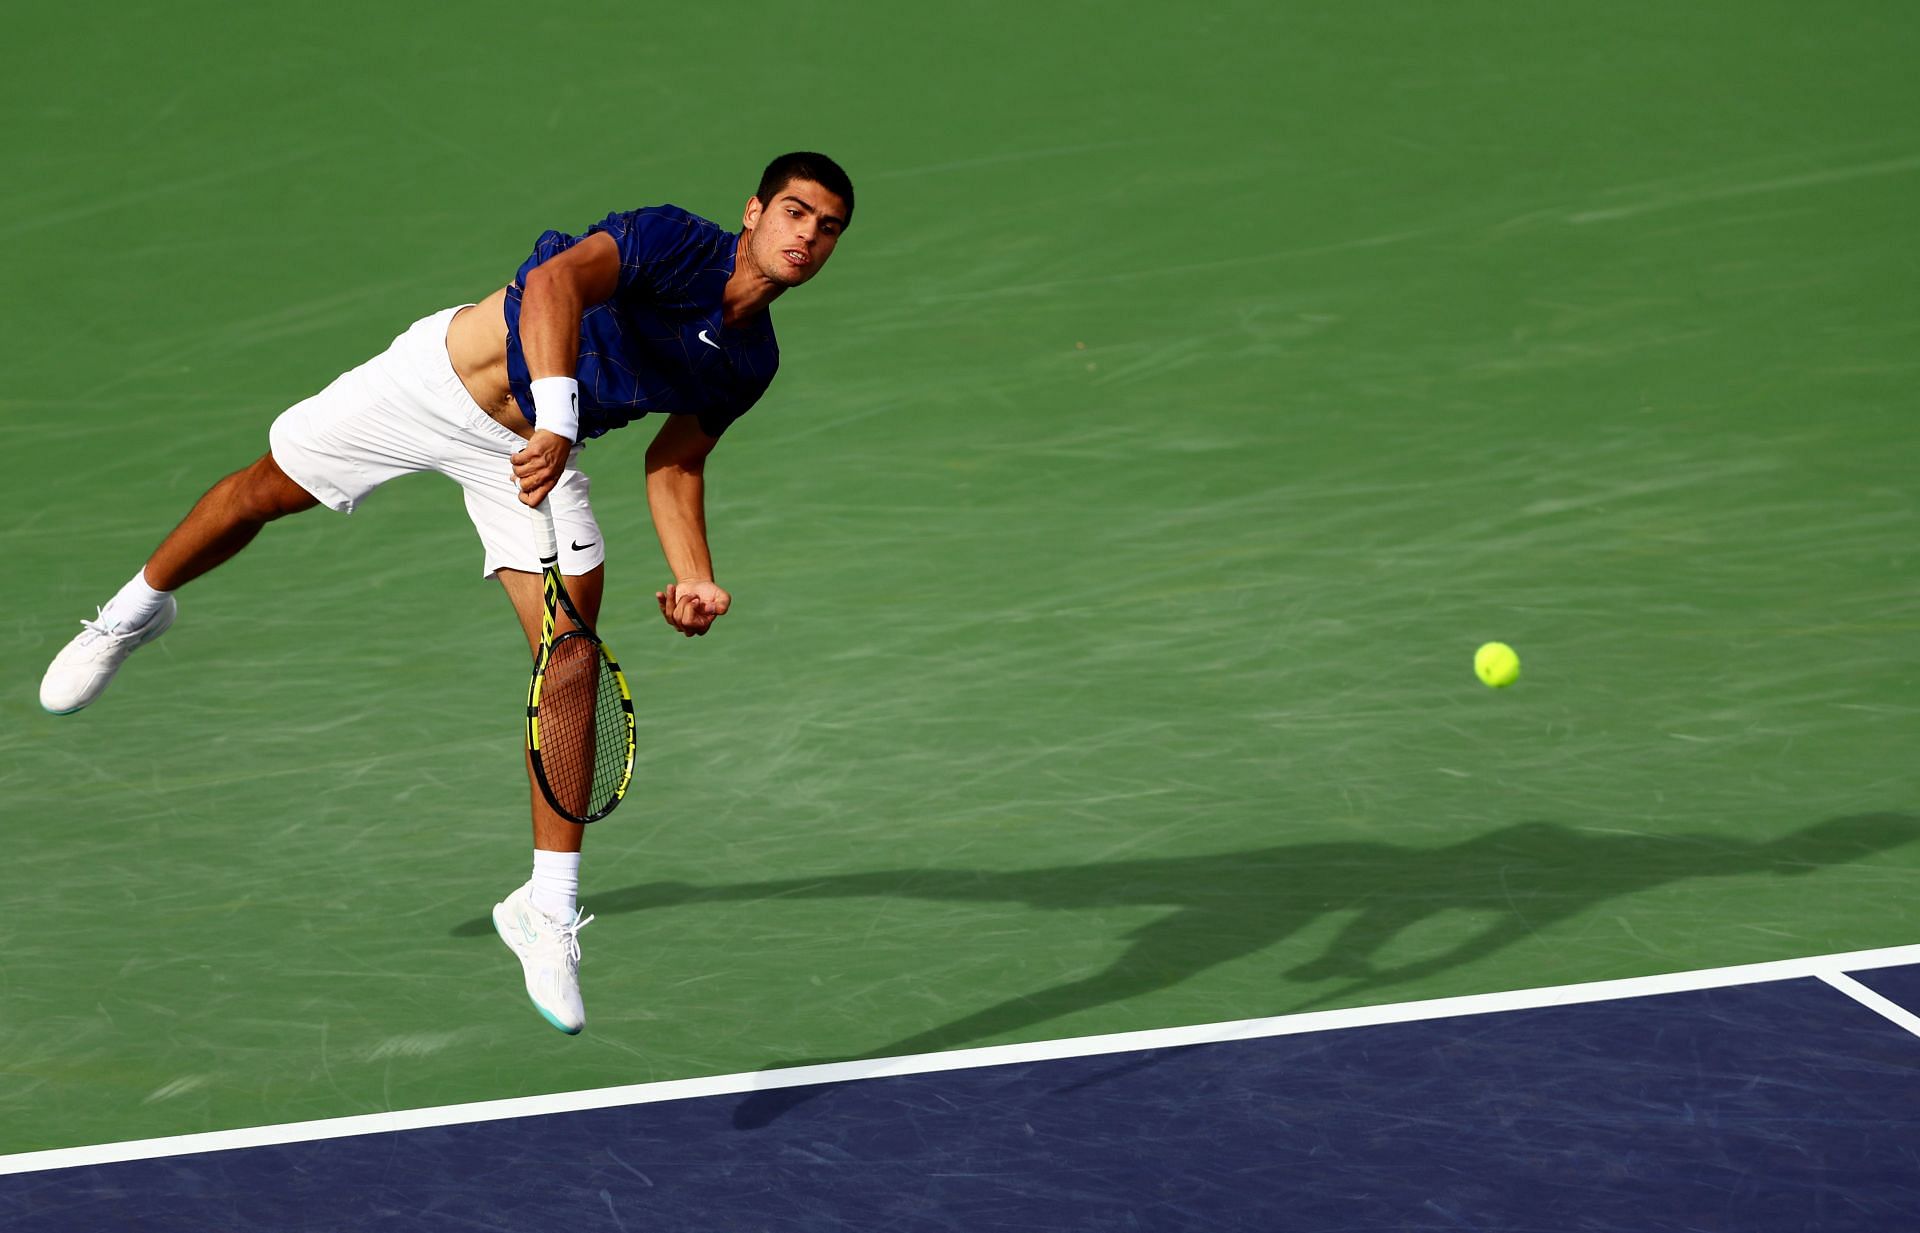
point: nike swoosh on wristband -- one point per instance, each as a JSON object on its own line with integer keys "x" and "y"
{"x": 708, "y": 341}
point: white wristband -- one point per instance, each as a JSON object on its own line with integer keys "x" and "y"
{"x": 556, "y": 406}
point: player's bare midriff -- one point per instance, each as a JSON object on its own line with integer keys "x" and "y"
{"x": 477, "y": 345}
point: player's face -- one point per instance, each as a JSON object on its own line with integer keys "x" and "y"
{"x": 792, "y": 236}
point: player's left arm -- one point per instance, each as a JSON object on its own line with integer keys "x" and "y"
{"x": 676, "y": 496}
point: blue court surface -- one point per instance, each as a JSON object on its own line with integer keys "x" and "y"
{"x": 1782, "y": 1096}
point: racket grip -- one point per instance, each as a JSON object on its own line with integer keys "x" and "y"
{"x": 544, "y": 536}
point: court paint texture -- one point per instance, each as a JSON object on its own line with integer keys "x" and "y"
{"x": 1189, "y": 399}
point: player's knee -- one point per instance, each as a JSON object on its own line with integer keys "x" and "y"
{"x": 263, "y": 492}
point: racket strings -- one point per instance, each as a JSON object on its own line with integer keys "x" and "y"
{"x": 583, "y": 728}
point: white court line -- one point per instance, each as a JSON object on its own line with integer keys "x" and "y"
{"x": 1829, "y": 968}
{"x": 1872, "y": 1001}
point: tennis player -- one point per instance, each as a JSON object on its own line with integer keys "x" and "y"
{"x": 652, "y": 311}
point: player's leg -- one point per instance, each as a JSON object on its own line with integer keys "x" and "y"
{"x": 540, "y": 921}
{"x": 380, "y": 420}
{"x": 551, "y": 832}
{"x": 512, "y": 555}
{"x": 320, "y": 453}
{"x": 222, "y": 522}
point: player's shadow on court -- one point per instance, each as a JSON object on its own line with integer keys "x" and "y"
{"x": 1523, "y": 879}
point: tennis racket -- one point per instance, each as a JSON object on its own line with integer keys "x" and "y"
{"x": 580, "y": 730}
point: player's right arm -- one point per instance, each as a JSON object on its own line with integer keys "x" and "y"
{"x": 555, "y": 294}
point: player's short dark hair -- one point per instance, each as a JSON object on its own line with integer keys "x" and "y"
{"x": 806, "y": 165}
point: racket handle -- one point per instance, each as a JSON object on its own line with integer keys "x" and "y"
{"x": 544, "y": 535}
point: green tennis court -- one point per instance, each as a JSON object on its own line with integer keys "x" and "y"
{"x": 1194, "y": 392}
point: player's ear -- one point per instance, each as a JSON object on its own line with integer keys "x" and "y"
{"x": 751, "y": 218}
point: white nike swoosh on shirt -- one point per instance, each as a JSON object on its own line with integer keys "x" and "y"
{"x": 708, "y": 341}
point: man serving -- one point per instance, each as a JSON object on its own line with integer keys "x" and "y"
{"x": 652, "y": 311}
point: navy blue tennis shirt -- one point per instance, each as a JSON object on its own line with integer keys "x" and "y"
{"x": 657, "y": 345}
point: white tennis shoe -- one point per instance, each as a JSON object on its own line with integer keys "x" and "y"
{"x": 549, "y": 950}
{"x": 84, "y": 667}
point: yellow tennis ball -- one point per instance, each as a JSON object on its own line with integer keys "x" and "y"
{"x": 1497, "y": 665}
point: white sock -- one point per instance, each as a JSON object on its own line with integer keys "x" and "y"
{"x": 556, "y": 883}
{"x": 134, "y": 606}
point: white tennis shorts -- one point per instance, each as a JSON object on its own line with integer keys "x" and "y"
{"x": 405, "y": 411}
